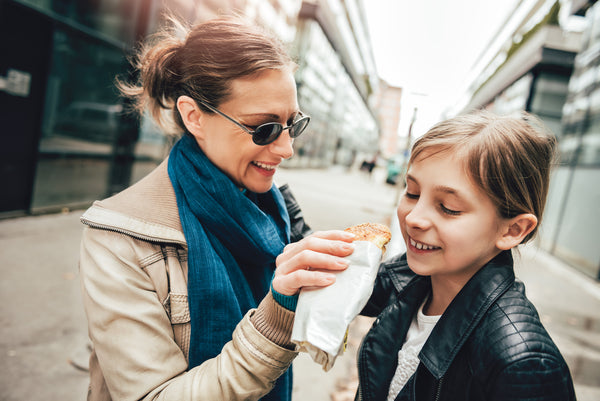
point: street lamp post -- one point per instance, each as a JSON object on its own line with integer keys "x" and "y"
{"x": 400, "y": 182}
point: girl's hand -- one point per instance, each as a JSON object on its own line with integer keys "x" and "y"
{"x": 308, "y": 262}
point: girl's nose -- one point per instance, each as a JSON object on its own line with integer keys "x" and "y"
{"x": 417, "y": 217}
{"x": 282, "y": 146}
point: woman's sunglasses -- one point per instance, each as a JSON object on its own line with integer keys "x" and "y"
{"x": 267, "y": 133}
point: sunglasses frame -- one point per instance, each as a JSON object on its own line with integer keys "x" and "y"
{"x": 253, "y": 133}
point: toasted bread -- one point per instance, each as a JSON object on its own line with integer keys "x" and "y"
{"x": 378, "y": 234}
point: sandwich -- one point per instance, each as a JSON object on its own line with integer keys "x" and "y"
{"x": 378, "y": 234}
{"x": 323, "y": 315}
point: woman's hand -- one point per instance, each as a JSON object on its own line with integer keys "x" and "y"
{"x": 308, "y": 262}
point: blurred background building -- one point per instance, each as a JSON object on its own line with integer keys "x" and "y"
{"x": 336, "y": 81}
{"x": 66, "y": 139}
{"x": 545, "y": 59}
{"x": 67, "y": 142}
{"x": 388, "y": 101}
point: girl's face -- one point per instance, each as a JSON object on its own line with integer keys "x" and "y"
{"x": 450, "y": 226}
{"x": 267, "y": 97}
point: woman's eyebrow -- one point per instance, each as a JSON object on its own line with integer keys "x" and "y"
{"x": 268, "y": 115}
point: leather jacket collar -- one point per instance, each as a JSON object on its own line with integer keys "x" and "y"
{"x": 398, "y": 294}
{"x": 465, "y": 312}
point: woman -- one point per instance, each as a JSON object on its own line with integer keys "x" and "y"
{"x": 173, "y": 267}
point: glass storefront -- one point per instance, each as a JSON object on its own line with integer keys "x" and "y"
{"x": 113, "y": 19}
{"x": 80, "y": 123}
{"x": 89, "y": 147}
{"x": 548, "y": 99}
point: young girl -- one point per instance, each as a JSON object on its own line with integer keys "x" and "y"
{"x": 452, "y": 322}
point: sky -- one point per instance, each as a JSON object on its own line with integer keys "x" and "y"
{"x": 428, "y": 47}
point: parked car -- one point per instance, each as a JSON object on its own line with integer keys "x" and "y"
{"x": 395, "y": 165}
{"x": 98, "y": 122}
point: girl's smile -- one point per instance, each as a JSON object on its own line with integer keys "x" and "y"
{"x": 421, "y": 247}
{"x": 449, "y": 225}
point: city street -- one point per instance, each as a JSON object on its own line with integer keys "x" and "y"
{"x": 43, "y": 335}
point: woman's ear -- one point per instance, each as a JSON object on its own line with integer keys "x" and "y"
{"x": 515, "y": 230}
{"x": 190, "y": 114}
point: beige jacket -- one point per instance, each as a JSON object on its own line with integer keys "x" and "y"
{"x": 133, "y": 269}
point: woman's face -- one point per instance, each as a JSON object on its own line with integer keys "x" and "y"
{"x": 450, "y": 226}
{"x": 269, "y": 96}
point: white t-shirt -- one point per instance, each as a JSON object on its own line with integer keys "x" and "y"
{"x": 408, "y": 356}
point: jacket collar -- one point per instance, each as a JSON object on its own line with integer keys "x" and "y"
{"x": 465, "y": 312}
{"x": 146, "y": 210}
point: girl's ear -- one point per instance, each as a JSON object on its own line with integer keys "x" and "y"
{"x": 191, "y": 115}
{"x": 515, "y": 230}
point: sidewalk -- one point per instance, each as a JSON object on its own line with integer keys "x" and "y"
{"x": 42, "y": 323}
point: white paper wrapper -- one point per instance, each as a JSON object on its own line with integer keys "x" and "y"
{"x": 323, "y": 315}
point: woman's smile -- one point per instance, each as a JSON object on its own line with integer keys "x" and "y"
{"x": 265, "y": 168}
{"x": 267, "y": 97}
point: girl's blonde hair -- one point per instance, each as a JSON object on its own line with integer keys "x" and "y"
{"x": 508, "y": 157}
{"x": 200, "y": 62}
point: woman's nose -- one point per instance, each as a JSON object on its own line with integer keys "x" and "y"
{"x": 283, "y": 146}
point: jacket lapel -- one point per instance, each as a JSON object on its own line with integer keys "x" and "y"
{"x": 465, "y": 312}
{"x": 383, "y": 341}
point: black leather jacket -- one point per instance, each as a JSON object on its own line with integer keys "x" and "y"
{"x": 298, "y": 227}
{"x": 488, "y": 345}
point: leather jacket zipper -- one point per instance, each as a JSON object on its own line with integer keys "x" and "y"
{"x": 360, "y": 373}
{"x": 438, "y": 391}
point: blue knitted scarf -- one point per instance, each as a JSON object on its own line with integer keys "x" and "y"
{"x": 233, "y": 239}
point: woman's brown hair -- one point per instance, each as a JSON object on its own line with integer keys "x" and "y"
{"x": 508, "y": 157}
{"x": 200, "y": 62}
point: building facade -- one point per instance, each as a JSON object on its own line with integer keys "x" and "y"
{"x": 573, "y": 232}
{"x": 388, "y": 104}
{"x": 336, "y": 81}
{"x": 548, "y": 66}
{"x": 67, "y": 139}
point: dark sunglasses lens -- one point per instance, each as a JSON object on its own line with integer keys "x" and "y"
{"x": 266, "y": 133}
{"x": 299, "y": 127}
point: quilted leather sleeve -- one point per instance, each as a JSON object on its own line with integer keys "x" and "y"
{"x": 516, "y": 356}
{"x": 535, "y": 378}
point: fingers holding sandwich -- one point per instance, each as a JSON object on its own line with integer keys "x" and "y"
{"x": 313, "y": 261}
{"x": 306, "y": 263}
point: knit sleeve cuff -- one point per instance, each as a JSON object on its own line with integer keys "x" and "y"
{"x": 289, "y": 302}
{"x": 274, "y": 322}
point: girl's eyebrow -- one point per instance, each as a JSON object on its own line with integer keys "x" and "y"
{"x": 439, "y": 188}
{"x": 446, "y": 189}
{"x": 450, "y": 191}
